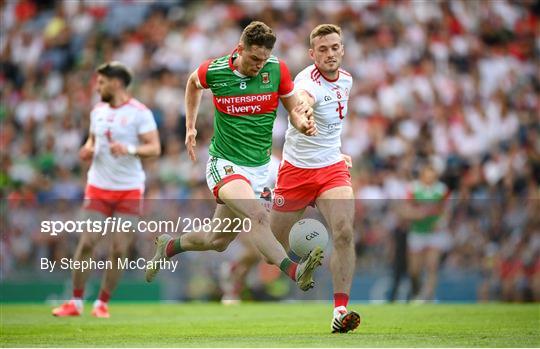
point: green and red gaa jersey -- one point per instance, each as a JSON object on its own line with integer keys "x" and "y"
{"x": 245, "y": 108}
{"x": 427, "y": 195}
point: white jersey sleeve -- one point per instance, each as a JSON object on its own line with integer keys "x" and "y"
{"x": 146, "y": 122}
{"x": 92, "y": 123}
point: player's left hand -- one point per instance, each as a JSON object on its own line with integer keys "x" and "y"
{"x": 347, "y": 159}
{"x": 118, "y": 149}
{"x": 191, "y": 142}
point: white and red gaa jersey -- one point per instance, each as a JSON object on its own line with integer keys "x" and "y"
{"x": 122, "y": 124}
{"x": 329, "y": 110}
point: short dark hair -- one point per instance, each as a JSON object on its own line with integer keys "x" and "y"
{"x": 258, "y": 33}
{"x": 323, "y": 30}
{"x": 116, "y": 70}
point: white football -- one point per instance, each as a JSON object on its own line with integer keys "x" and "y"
{"x": 305, "y": 235}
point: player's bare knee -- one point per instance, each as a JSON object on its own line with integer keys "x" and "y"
{"x": 342, "y": 225}
{"x": 343, "y": 235}
{"x": 342, "y": 241}
{"x": 119, "y": 251}
{"x": 86, "y": 246}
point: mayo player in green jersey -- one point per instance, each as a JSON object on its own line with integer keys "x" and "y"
{"x": 247, "y": 86}
{"x": 313, "y": 172}
{"x": 424, "y": 210}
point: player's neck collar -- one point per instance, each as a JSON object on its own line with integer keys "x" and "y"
{"x": 327, "y": 78}
{"x": 232, "y": 57}
{"x": 121, "y": 104}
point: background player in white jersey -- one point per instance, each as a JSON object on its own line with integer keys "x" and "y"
{"x": 314, "y": 171}
{"x": 122, "y": 130}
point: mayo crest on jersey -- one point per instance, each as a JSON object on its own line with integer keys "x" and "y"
{"x": 122, "y": 124}
{"x": 329, "y": 111}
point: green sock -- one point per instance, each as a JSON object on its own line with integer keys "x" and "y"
{"x": 289, "y": 268}
{"x": 173, "y": 247}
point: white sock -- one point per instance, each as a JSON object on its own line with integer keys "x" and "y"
{"x": 99, "y": 303}
{"x": 338, "y": 310}
{"x": 78, "y": 302}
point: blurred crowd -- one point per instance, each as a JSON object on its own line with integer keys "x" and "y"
{"x": 454, "y": 83}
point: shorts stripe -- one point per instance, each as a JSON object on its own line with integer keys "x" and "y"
{"x": 214, "y": 167}
{"x": 212, "y": 170}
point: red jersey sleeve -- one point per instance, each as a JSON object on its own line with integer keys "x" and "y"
{"x": 201, "y": 72}
{"x": 286, "y": 85}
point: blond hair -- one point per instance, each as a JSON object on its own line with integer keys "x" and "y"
{"x": 323, "y": 30}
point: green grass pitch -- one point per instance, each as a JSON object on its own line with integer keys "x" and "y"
{"x": 273, "y": 325}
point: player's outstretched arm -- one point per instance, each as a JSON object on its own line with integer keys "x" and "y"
{"x": 305, "y": 97}
{"x": 193, "y": 101}
{"x": 300, "y": 114}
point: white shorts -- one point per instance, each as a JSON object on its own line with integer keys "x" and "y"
{"x": 419, "y": 241}
{"x": 220, "y": 171}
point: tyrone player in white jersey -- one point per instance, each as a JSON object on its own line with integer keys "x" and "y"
{"x": 122, "y": 130}
{"x": 313, "y": 170}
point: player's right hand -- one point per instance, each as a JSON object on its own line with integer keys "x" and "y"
{"x": 310, "y": 128}
{"x": 307, "y": 126}
{"x": 86, "y": 153}
{"x": 191, "y": 142}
